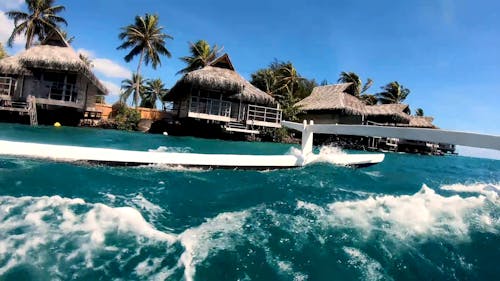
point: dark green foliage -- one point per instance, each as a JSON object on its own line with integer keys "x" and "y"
{"x": 276, "y": 135}
{"x": 134, "y": 86}
{"x": 146, "y": 38}
{"x": 357, "y": 88}
{"x": 393, "y": 93}
{"x": 39, "y": 21}
{"x": 369, "y": 99}
{"x": 125, "y": 118}
{"x": 282, "y": 81}
{"x": 155, "y": 91}
{"x": 201, "y": 55}
{"x": 419, "y": 112}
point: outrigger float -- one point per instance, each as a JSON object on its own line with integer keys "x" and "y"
{"x": 116, "y": 157}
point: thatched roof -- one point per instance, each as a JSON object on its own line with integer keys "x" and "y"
{"x": 220, "y": 76}
{"x": 421, "y": 122}
{"x": 398, "y": 112}
{"x": 332, "y": 97}
{"x": 49, "y": 56}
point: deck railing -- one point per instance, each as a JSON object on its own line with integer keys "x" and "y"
{"x": 210, "y": 106}
{"x": 7, "y": 86}
{"x": 264, "y": 114}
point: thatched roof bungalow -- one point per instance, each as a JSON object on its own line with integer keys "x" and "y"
{"x": 331, "y": 104}
{"x": 53, "y": 73}
{"x": 219, "y": 94}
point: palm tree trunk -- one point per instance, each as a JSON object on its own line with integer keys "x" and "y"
{"x": 137, "y": 86}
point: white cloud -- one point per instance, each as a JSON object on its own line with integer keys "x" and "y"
{"x": 110, "y": 68}
{"x": 113, "y": 89}
{"x": 105, "y": 66}
{"x": 11, "y": 4}
{"x": 6, "y": 30}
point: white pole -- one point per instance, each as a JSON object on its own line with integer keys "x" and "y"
{"x": 307, "y": 140}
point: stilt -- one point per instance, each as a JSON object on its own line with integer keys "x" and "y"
{"x": 32, "y": 110}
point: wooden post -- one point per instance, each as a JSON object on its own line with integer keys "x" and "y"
{"x": 86, "y": 97}
{"x": 64, "y": 87}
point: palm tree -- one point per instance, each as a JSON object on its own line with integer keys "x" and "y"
{"x": 357, "y": 88}
{"x": 201, "y": 55}
{"x": 393, "y": 93}
{"x": 147, "y": 39}
{"x": 369, "y": 99}
{"x": 134, "y": 87}
{"x": 419, "y": 112}
{"x": 155, "y": 90}
{"x": 39, "y": 21}
{"x": 289, "y": 78}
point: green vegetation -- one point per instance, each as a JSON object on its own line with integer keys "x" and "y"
{"x": 3, "y": 53}
{"x": 155, "y": 91}
{"x": 419, "y": 112}
{"x": 41, "y": 18}
{"x": 393, "y": 93}
{"x": 369, "y": 99}
{"x": 146, "y": 38}
{"x": 282, "y": 81}
{"x": 201, "y": 55}
{"x": 125, "y": 118}
{"x": 133, "y": 87}
{"x": 357, "y": 88}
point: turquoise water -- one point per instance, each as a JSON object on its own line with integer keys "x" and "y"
{"x": 409, "y": 218}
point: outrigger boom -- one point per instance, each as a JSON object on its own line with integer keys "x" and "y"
{"x": 117, "y": 157}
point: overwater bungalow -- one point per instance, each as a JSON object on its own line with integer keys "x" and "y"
{"x": 331, "y": 104}
{"x": 52, "y": 76}
{"x": 217, "y": 94}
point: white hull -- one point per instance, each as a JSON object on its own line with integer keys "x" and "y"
{"x": 134, "y": 158}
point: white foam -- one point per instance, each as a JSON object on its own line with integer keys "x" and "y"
{"x": 420, "y": 215}
{"x": 490, "y": 190}
{"x": 172, "y": 149}
{"x": 63, "y": 223}
{"x": 144, "y": 204}
{"x": 210, "y": 237}
{"x": 370, "y": 268}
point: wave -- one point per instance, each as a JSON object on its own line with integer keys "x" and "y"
{"x": 91, "y": 236}
{"x": 172, "y": 149}
{"x": 421, "y": 215}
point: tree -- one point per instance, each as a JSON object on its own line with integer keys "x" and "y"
{"x": 201, "y": 55}
{"x": 147, "y": 39}
{"x": 134, "y": 87}
{"x": 3, "y": 53}
{"x": 393, "y": 93}
{"x": 282, "y": 81}
{"x": 66, "y": 37}
{"x": 369, "y": 99}
{"x": 155, "y": 91}
{"x": 419, "y": 112}
{"x": 40, "y": 19}
{"x": 357, "y": 88}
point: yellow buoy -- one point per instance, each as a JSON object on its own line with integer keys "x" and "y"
{"x": 57, "y": 124}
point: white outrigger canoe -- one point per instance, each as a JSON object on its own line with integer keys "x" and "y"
{"x": 117, "y": 157}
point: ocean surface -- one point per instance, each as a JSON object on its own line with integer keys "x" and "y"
{"x": 410, "y": 218}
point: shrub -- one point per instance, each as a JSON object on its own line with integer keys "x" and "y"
{"x": 125, "y": 118}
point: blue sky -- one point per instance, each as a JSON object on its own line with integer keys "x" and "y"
{"x": 445, "y": 51}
